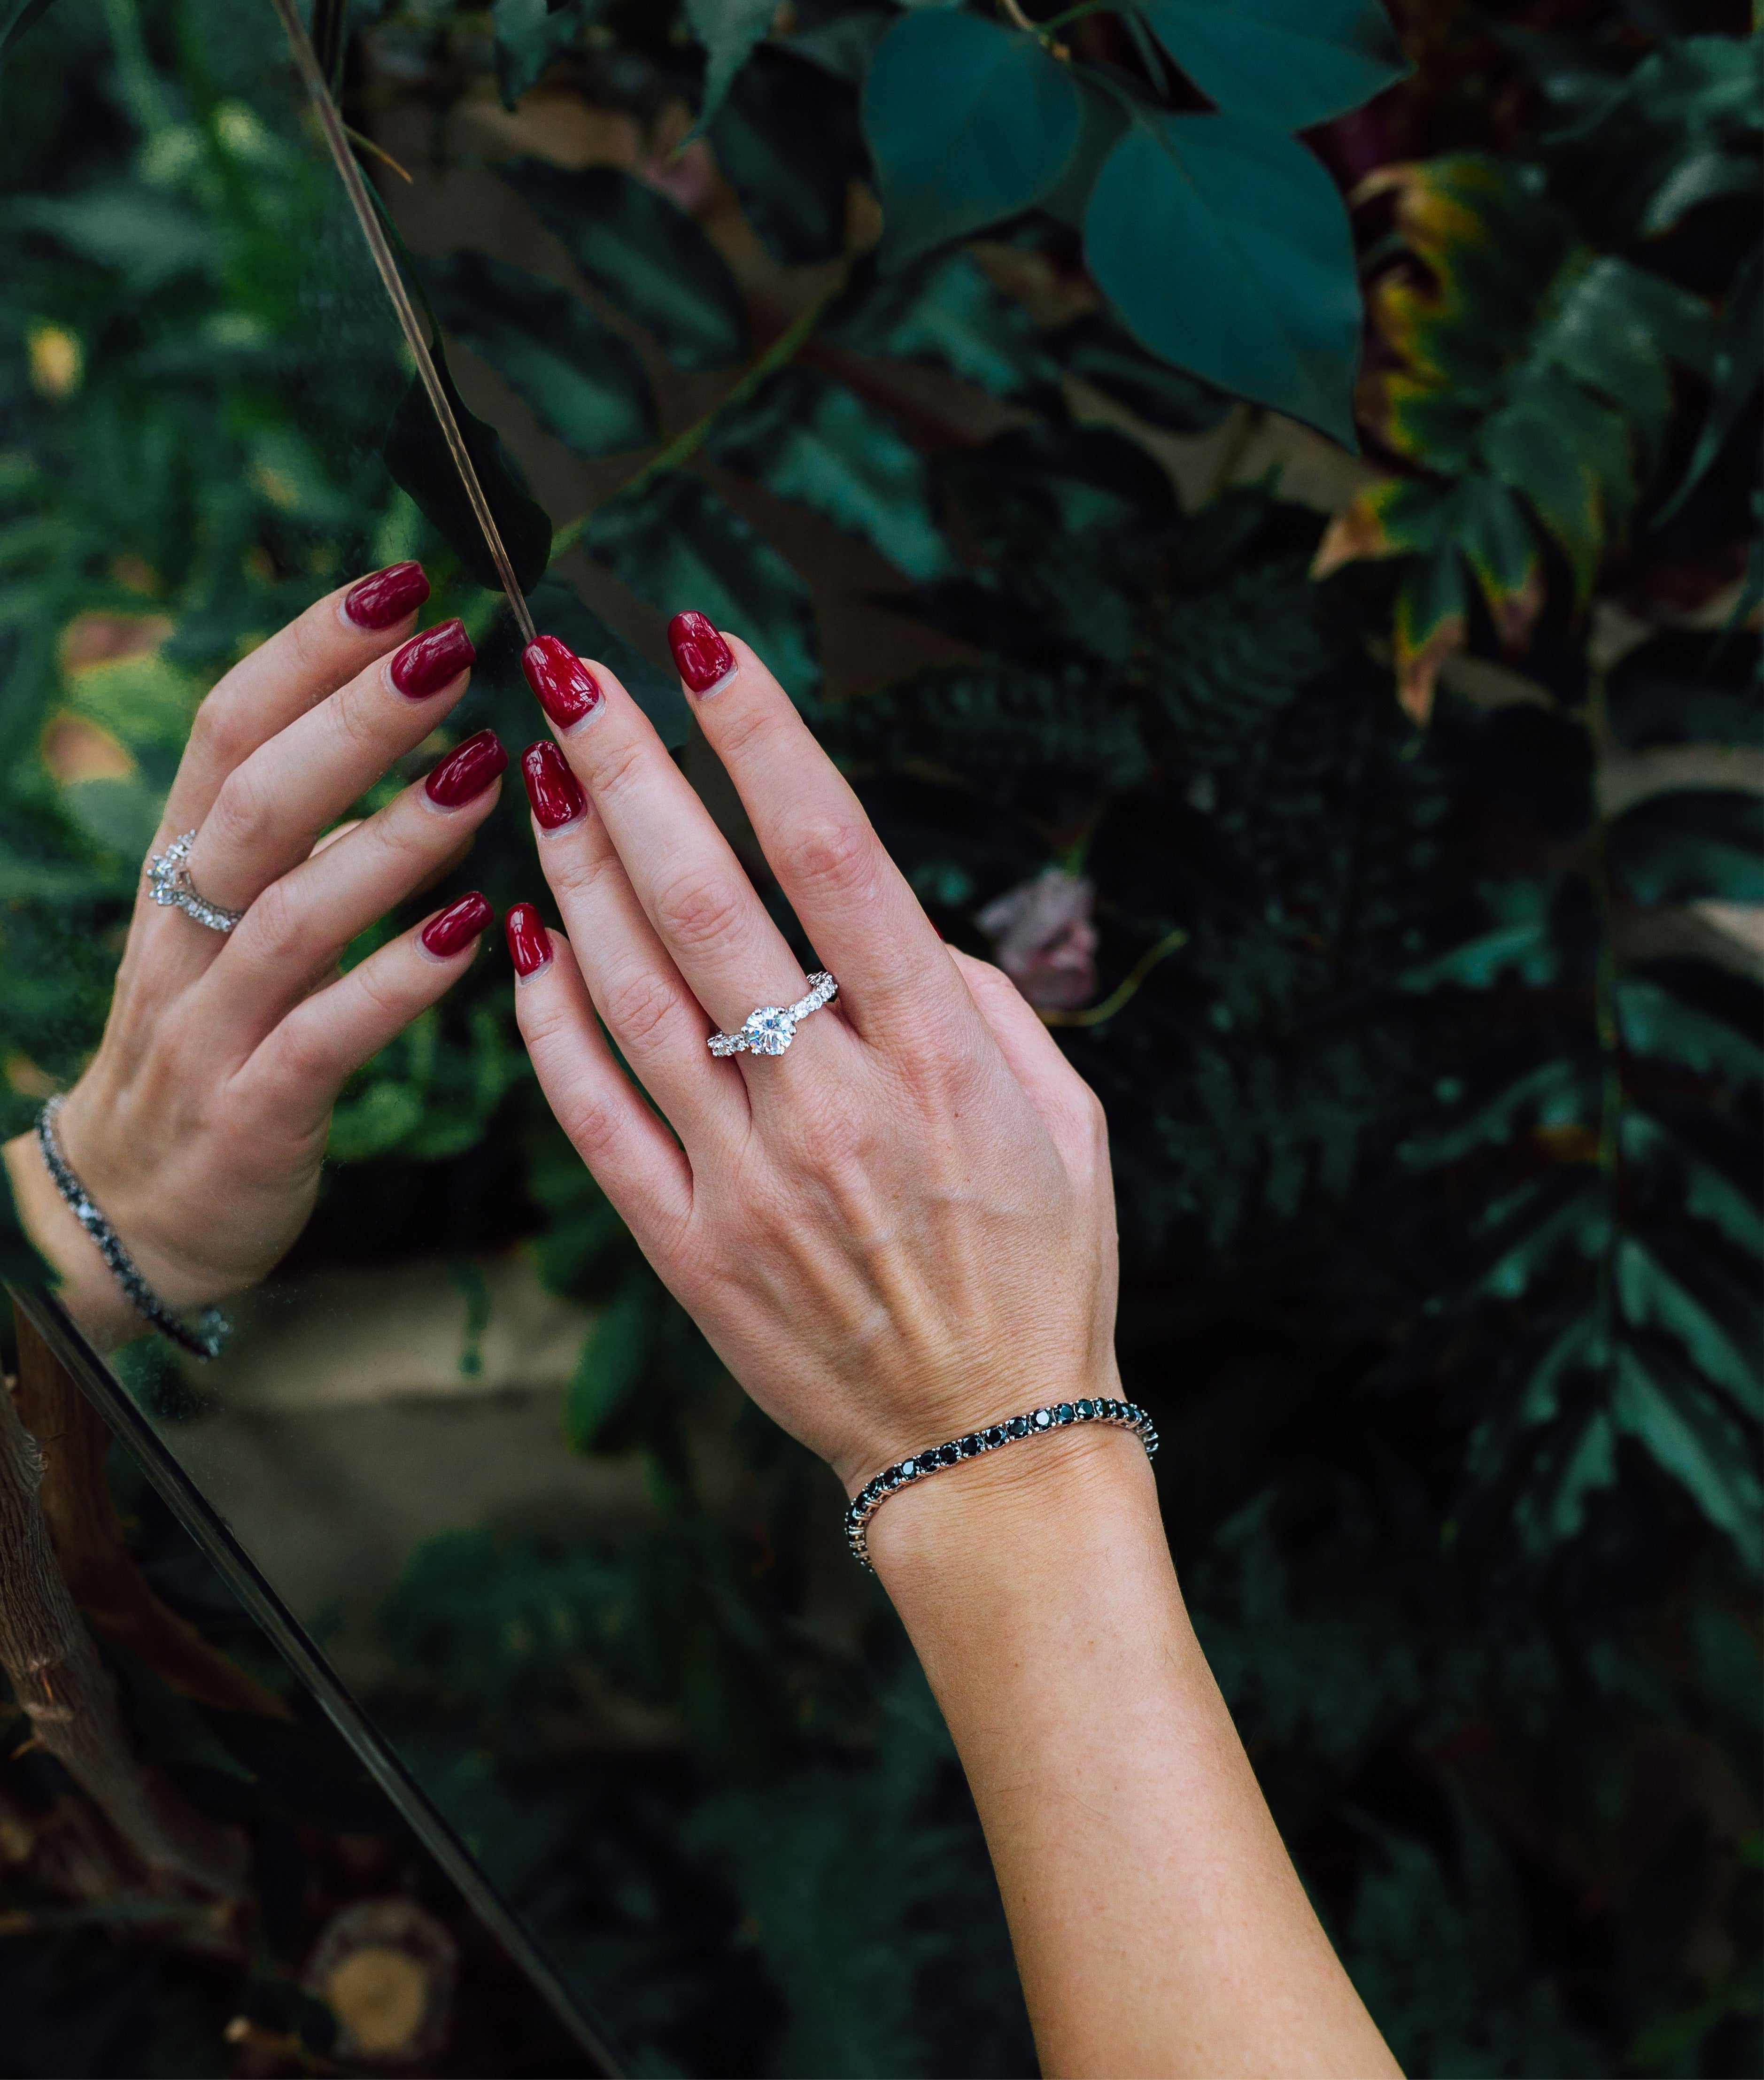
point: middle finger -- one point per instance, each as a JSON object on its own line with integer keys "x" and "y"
{"x": 694, "y": 890}
{"x": 273, "y": 805}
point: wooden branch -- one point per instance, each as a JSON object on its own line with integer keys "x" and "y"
{"x": 71, "y": 1701}
{"x": 99, "y": 1570}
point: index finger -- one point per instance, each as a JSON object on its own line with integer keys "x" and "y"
{"x": 861, "y": 917}
{"x": 300, "y": 665}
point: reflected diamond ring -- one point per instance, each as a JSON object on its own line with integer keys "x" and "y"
{"x": 771, "y": 1029}
{"x": 168, "y": 878}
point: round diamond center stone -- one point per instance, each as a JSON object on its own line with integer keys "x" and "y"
{"x": 769, "y": 1031}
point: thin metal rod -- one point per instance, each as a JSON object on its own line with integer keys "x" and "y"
{"x": 305, "y": 63}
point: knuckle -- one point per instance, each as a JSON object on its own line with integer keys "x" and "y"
{"x": 243, "y": 813}
{"x": 278, "y": 925}
{"x": 591, "y": 1124}
{"x": 639, "y": 1005}
{"x": 830, "y": 856}
{"x": 218, "y": 733}
{"x": 697, "y": 912}
{"x": 619, "y": 767}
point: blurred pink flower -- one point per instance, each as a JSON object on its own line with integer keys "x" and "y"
{"x": 1042, "y": 936}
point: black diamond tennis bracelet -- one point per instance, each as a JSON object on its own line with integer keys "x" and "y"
{"x": 1121, "y": 1415}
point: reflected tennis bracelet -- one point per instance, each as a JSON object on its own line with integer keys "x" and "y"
{"x": 1119, "y": 1414}
{"x": 205, "y": 1340}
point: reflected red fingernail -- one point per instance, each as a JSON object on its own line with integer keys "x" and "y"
{"x": 700, "y": 655}
{"x": 387, "y": 597}
{"x": 565, "y": 688}
{"x": 463, "y": 775}
{"x": 457, "y": 925}
{"x": 551, "y": 787}
{"x": 430, "y": 661}
{"x": 529, "y": 944}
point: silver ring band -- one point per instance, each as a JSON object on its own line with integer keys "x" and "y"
{"x": 771, "y": 1029}
{"x": 168, "y": 878}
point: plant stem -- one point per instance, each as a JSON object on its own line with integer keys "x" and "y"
{"x": 1610, "y": 1036}
{"x": 1125, "y": 992}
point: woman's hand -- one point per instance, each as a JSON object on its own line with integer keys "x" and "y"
{"x": 897, "y": 1231}
{"x": 902, "y": 1227}
{"x": 200, "y": 1125}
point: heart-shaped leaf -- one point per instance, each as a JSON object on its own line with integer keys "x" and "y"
{"x": 1290, "y": 62}
{"x": 1224, "y": 248}
{"x": 967, "y": 122}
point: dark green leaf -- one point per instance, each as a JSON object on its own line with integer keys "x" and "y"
{"x": 948, "y": 313}
{"x": 787, "y": 140}
{"x": 1706, "y": 173}
{"x": 1616, "y": 328}
{"x": 614, "y": 1358}
{"x": 1690, "y": 1440}
{"x": 1701, "y": 1158}
{"x": 558, "y": 611}
{"x": 646, "y": 253}
{"x": 728, "y": 29}
{"x": 1224, "y": 248}
{"x": 417, "y": 458}
{"x": 1675, "y": 1015}
{"x": 813, "y": 442}
{"x": 16, "y": 16}
{"x": 1692, "y": 843}
{"x": 680, "y": 546}
{"x": 1561, "y": 1092}
{"x": 1662, "y": 1285}
{"x": 586, "y": 383}
{"x": 967, "y": 122}
{"x": 1103, "y": 352}
{"x": 150, "y": 238}
{"x": 1534, "y": 1226}
{"x": 1736, "y": 366}
{"x": 1288, "y": 62}
{"x": 529, "y": 34}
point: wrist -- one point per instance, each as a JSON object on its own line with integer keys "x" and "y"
{"x": 84, "y": 1285}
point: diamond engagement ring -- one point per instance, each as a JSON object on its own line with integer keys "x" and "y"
{"x": 771, "y": 1029}
{"x": 168, "y": 878}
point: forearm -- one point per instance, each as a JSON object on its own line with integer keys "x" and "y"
{"x": 85, "y": 1286}
{"x": 1159, "y": 1926}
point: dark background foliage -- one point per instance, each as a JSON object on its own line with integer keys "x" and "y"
{"x": 1433, "y": 1076}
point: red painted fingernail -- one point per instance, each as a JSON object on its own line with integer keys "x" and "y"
{"x": 428, "y": 662}
{"x": 551, "y": 786}
{"x": 457, "y": 925}
{"x": 529, "y": 944}
{"x": 463, "y": 775}
{"x": 700, "y": 654}
{"x": 386, "y": 597}
{"x": 567, "y": 690}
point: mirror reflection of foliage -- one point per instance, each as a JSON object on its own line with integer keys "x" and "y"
{"x": 1434, "y": 1094}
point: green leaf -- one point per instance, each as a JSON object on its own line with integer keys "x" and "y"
{"x": 1561, "y": 1092}
{"x": 1685, "y": 688}
{"x": 813, "y": 442}
{"x": 586, "y": 384}
{"x": 1706, "y": 173}
{"x": 728, "y": 29}
{"x": 1225, "y": 249}
{"x": 1527, "y": 944}
{"x": 1692, "y": 1441}
{"x": 558, "y": 611}
{"x": 646, "y": 253}
{"x": 947, "y": 313}
{"x": 149, "y": 238}
{"x": 1704, "y": 1175}
{"x": 1735, "y": 368}
{"x": 529, "y": 34}
{"x": 680, "y": 546}
{"x": 1616, "y": 329}
{"x": 1491, "y": 528}
{"x": 1533, "y": 1226}
{"x": 1287, "y": 62}
{"x": 614, "y": 1358}
{"x": 787, "y": 139}
{"x": 16, "y": 16}
{"x": 1669, "y": 1024}
{"x": 967, "y": 122}
{"x": 1530, "y": 447}
{"x": 1689, "y": 1298}
{"x": 1692, "y": 843}
{"x": 418, "y": 459}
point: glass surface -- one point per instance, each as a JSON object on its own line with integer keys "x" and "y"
{"x": 636, "y": 1697}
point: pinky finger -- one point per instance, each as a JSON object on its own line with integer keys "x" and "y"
{"x": 634, "y": 1160}
{"x": 296, "y": 1072}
